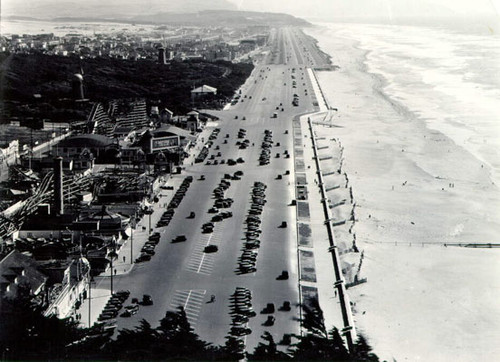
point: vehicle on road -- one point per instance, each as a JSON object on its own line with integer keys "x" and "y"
{"x": 192, "y": 215}
{"x": 283, "y": 275}
{"x": 143, "y": 257}
{"x": 240, "y": 331}
{"x": 269, "y": 309}
{"x": 147, "y": 300}
{"x": 211, "y": 248}
{"x": 285, "y": 307}
{"x": 269, "y": 321}
{"x": 179, "y": 238}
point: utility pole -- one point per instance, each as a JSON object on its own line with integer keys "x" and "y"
{"x": 131, "y": 245}
{"x": 112, "y": 255}
{"x": 90, "y": 301}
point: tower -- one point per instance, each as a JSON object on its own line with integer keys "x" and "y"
{"x": 77, "y": 86}
{"x": 161, "y": 56}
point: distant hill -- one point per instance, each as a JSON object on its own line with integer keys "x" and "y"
{"x": 109, "y": 9}
{"x": 203, "y": 18}
{"x": 223, "y": 18}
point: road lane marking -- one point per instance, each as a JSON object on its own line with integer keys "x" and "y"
{"x": 191, "y": 301}
{"x": 203, "y": 257}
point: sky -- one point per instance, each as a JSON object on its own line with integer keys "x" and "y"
{"x": 320, "y": 9}
{"x": 305, "y": 8}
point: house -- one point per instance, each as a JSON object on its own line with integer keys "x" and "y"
{"x": 193, "y": 121}
{"x": 204, "y": 90}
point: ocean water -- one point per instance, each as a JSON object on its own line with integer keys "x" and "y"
{"x": 447, "y": 77}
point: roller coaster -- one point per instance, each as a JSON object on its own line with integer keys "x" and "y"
{"x": 43, "y": 194}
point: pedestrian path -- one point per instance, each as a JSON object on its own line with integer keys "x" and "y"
{"x": 191, "y": 300}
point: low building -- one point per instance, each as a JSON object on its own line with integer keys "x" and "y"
{"x": 204, "y": 90}
{"x": 20, "y": 277}
{"x": 104, "y": 149}
{"x": 9, "y": 151}
{"x": 166, "y": 115}
{"x": 193, "y": 121}
{"x": 69, "y": 283}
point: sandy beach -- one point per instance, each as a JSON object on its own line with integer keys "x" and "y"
{"x": 416, "y": 189}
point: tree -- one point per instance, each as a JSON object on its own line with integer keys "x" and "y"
{"x": 135, "y": 343}
{"x": 362, "y": 351}
{"x": 317, "y": 344}
{"x": 177, "y": 338}
{"x": 172, "y": 339}
{"x": 269, "y": 351}
{"x": 26, "y": 334}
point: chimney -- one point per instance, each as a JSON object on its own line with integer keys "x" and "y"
{"x": 77, "y": 86}
{"x": 161, "y": 56}
{"x": 58, "y": 186}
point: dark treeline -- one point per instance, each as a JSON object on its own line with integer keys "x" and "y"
{"x": 27, "y": 335}
{"x": 23, "y": 75}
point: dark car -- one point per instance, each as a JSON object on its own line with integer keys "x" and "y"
{"x": 217, "y": 217}
{"x": 240, "y": 331}
{"x": 179, "y": 239}
{"x": 269, "y": 321}
{"x": 147, "y": 300}
{"x": 143, "y": 257}
{"x": 211, "y": 249}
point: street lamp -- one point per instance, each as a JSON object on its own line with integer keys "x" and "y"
{"x": 111, "y": 256}
{"x": 91, "y": 280}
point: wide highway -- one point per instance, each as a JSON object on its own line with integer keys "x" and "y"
{"x": 182, "y": 274}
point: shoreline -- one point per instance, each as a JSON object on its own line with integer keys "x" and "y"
{"x": 401, "y": 172}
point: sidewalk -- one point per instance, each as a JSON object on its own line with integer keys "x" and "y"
{"x": 325, "y": 276}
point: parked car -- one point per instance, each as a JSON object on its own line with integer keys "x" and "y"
{"x": 179, "y": 239}
{"x": 143, "y": 257}
{"x": 211, "y": 248}
{"x": 147, "y": 300}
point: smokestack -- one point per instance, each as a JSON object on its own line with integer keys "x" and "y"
{"x": 161, "y": 56}
{"x": 77, "y": 85}
{"x": 58, "y": 186}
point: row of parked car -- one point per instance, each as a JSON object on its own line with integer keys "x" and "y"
{"x": 241, "y": 311}
{"x": 267, "y": 143}
{"x": 113, "y": 306}
{"x": 220, "y": 202}
{"x": 204, "y": 151}
{"x": 148, "y": 249}
{"x": 174, "y": 203}
{"x": 247, "y": 260}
